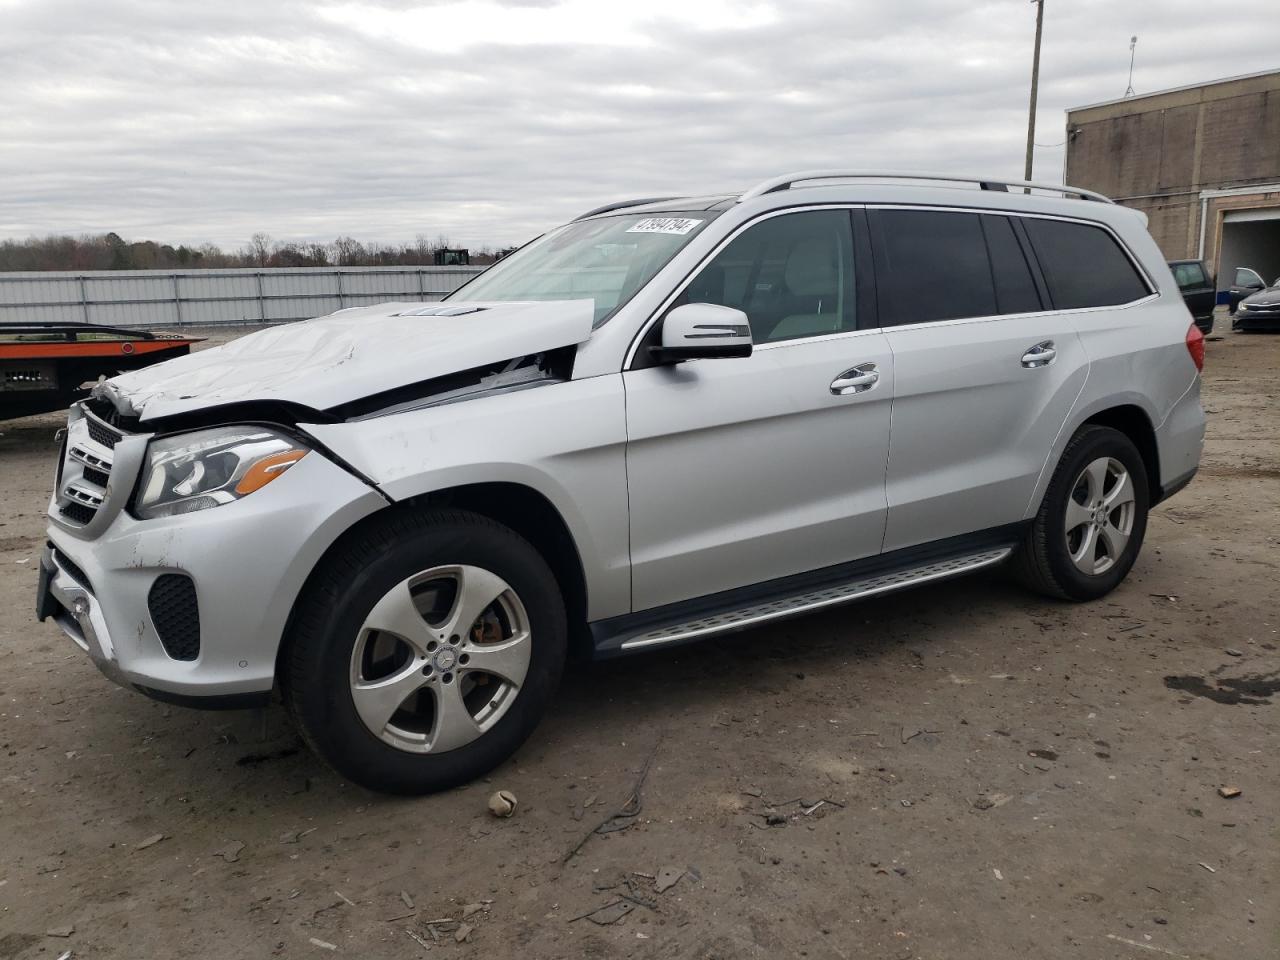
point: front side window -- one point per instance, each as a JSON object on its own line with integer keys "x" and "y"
{"x": 1083, "y": 265}
{"x": 932, "y": 265}
{"x": 605, "y": 260}
{"x": 792, "y": 275}
{"x": 1248, "y": 278}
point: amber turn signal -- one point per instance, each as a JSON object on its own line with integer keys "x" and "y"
{"x": 267, "y": 469}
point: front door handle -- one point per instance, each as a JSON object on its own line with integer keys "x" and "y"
{"x": 858, "y": 379}
{"x": 1041, "y": 355}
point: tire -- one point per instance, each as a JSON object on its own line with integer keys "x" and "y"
{"x": 1054, "y": 557}
{"x": 382, "y": 617}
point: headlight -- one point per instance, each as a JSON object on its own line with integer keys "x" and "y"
{"x": 1242, "y": 306}
{"x": 196, "y": 471}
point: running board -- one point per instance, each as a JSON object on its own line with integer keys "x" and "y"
{"x": 867, "y": 585}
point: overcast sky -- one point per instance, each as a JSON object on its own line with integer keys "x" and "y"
{"x": 489, "y": 121}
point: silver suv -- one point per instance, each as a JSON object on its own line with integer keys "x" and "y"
{"x": 666, "y": 420}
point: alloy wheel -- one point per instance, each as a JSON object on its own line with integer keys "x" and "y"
{"x": 1099, "y": 516}
{"x": 440, "y": 659}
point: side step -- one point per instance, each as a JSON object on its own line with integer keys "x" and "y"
{"x": 730, "y": 619}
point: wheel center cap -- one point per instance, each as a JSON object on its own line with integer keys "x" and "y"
{"x": 446, "y": 659}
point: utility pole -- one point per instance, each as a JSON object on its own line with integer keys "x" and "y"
{"x": 1133, "y": 43}
{"x": 1035, "y": 83}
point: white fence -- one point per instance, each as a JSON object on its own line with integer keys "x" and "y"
{"x": 173, "y": 298}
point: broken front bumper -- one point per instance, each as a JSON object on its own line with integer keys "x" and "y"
{"x": 243, "y": 564}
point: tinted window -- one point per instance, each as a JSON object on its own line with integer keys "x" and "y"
{"x": 1015, "y": 290}
{"x": 1247, "y": 278}
{"x": 932, "y": 266}
{"x": 791, "y": 275}
{"x": 1083, "y": 265}
{"x": 1188, "y": 275}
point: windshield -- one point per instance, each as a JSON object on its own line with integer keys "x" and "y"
{"x": 605, "y": 260}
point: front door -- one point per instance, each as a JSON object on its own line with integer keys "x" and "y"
{"x": 740, "y": 471}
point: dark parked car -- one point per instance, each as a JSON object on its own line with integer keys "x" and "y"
{"x": 1259, "y": 311}
{"x": 1198, "y": 290}
{"x": 1247, "y": 283}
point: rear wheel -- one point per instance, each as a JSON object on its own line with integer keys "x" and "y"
{"x": 1090, "y": 526}
{"x": 426, "y": 651}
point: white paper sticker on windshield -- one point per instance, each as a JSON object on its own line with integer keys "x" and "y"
{"x": 677, "y": 225}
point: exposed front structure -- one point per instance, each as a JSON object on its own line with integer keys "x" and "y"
{"x": 1203, "y": 162}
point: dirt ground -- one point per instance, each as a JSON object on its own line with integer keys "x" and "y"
{"x": 1001, "y": 776}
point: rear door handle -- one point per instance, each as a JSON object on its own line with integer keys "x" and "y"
{"x": 858, "y": 379}
{"x": 1041, "y": 355}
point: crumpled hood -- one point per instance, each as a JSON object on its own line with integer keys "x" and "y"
{"x": 351, "y": 354}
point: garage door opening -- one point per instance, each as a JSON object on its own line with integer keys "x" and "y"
{"x": 1250, "y": 238}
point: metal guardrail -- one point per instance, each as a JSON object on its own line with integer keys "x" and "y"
{"x": 175, "y": 298}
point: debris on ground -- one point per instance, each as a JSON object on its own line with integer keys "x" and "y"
{"x": 231, "y": 852}
{"x": 463, "y": 933}
{"x": 989, "y": 801}
{"x": 667, "y": 878}
{"x": 503, "y": 803}
{"x": 418, "y": 939}
{"x": 1043, "y": 754}
{"x": 406, "y": 899}
{"x": 1227, "y": 792}
{"x": 1144, "y": 946}
{"x": 1207, "y": 867}
{"x": 998, "y": 874}
{"x": 63, "y": 930}
{"x": 610, "y": 913}
{"x": 471, "y": 909}
{"x": 323, "y": 944}
{"x": 150, "y": 841}
{"x": 253, "y": 759}
{"x": 1233, "y": 652}
{"x": 627, "y": 814}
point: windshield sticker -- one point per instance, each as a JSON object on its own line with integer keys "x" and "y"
{"x": 677, "y": 225}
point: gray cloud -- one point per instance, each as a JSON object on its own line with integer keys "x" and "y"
{"x": 490, "y": 122}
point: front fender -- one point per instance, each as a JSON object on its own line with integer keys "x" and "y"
{"x": 564, "y": 440}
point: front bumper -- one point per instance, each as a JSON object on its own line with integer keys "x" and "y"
{"x": 1258, "y": 319}
{"x": 248, "y": 561}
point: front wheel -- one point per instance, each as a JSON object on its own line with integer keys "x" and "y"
{"x": 425, "y": 651}
{"x": 1089, "y": 529}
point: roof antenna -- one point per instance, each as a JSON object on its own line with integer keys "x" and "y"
{"x": 1133, "y": 42}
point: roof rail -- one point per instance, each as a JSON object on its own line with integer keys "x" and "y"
{"x": 787, "y": 180}
{"x": 621, "y": 205}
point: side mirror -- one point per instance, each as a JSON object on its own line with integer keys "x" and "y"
{"x": 703, "y": 330}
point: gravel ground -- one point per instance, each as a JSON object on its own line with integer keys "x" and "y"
{"x": 1000, "y": 776}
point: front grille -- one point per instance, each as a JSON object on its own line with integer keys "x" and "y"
{"x": 85, "y": 470}
{"x": 101, "y": 433}
{"x": 78, "y": 512}
{"x": 175, "y": 615}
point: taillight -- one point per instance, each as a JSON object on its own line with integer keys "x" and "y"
{"x": 1195, "y": 346}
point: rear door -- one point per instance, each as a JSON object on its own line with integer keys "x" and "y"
{"x": 740, "y": 471}
{"x": 984, "y": 373}
{"x": 1196, "y": 287}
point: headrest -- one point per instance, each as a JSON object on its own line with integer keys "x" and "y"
{"x": 811, "y": 269}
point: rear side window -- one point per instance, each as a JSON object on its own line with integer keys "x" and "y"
{"x": 1083, "y": 265}
{"x": 932, "y": 265}
{"x": 1188, "y": 275}
{"x": 1015, "y": 290}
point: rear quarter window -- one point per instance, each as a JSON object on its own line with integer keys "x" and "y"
{"x": 1083, "y": 265}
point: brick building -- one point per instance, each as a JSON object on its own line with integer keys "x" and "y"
{"x": 1203, "y": 162}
